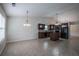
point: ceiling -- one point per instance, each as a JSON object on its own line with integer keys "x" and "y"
{"x": 35, "y": 9}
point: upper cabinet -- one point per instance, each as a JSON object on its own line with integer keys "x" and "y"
{"x": 41, "y": 26}
{"x": 51, "y": 27}
{"x": 46, "y": 27}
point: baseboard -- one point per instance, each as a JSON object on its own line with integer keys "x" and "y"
{"x": 20, "y": 40}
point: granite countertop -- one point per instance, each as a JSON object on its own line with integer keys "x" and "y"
{"x": 46, "y": 30}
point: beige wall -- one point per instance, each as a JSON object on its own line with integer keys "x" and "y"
{"x": 71, "y": 15}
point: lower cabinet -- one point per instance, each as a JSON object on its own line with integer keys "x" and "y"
{"x": 54, "y": 36}
{"x": 43, "y": 34}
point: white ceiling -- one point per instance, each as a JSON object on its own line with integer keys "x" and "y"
{"x": 35, "y": 9}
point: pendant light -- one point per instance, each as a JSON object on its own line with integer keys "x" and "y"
{"x": 57, "y": 23}
{"x": 27, "y": 22}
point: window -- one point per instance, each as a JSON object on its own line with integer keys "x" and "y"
{"x": 2, "y": 27}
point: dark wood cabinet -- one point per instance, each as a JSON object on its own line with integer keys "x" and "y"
{"x": 51, "y": 27}
{"x": 53, "y": 31}
{"x": 41, "y": 26}
{"x": 54, "y": 36}
{"x": 43, "y": 34}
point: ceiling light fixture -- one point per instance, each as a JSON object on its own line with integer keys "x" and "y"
{"x": 57, "y": 23}
{"x": 27, "y": 22}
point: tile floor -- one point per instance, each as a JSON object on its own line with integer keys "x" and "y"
{"x": 43, "y": 47}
